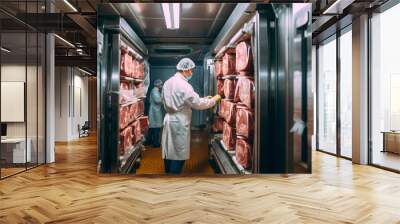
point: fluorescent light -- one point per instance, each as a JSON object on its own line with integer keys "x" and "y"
{"x": 70, "y": 5}
{"x": 84, "y": 71}
{"x": 65, "y": 41}
{"x": 5, "y": 50}
{"x": 167, "y": 15}
{"x": 176, "y": 8}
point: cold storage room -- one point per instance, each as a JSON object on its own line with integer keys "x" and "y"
{"x": 248, "y": 80}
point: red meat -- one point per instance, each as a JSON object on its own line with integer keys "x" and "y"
{"x": 140, "y": 108}
{"x": 218, "y": 68}
{"x": 139, "y": 70}
{"x": 218, "y": 124}
{"x": 228, "y": 64}
{"x": 123, "y": 116}
{"x": 125, "y": 140}
{"x": 229, "y": 88}
{"x": 228, "y": 137}
{"x": 126, "y": 92}
{"x": 139, "y": 89}
{"x": 137, "y": 131}
{"x": 243, "y": 152}
{"x": 244, "y": 121}
{"x": 228, "y": 111}
{"x": 244, "y": 58}
{"x": 126, "y": 64}
{"x": 244, "y": 92}
{"x": 220, "y": 87}
{"x": 144, "y": 124}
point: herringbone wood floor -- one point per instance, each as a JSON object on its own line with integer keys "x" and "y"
{"x": 70, "y": 191}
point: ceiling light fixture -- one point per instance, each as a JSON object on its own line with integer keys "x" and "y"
{"x": 5, "y": 50}
{"x": 65, "y": 41}
{"x": 174, "y": 8}
{"x": 70, "y": 5}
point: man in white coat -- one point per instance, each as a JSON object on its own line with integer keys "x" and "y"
{"x": 179, "y": 98}
{"x": 155, "y": 115}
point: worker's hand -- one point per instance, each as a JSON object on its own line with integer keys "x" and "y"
{"x": 217, "y": 98}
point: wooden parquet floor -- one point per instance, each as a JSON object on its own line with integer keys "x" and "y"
{"x": 70, "y": 191}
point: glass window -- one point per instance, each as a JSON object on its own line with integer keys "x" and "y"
{"x": 327, "y": 96}
{"x": 346, "y": 94}
{"x": 385, "y": 89}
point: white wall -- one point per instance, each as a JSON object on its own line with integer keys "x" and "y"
{"x": 71, "y": 102}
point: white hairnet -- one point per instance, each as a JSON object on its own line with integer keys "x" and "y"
{"x": 185, "y": 64}
{"x": 157, "y": 82}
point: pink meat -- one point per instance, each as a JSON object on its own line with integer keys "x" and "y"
{"x": 244, "y": 58}
{"x": 144, "y": 124}
{"x": 220, "y": 87}
{"x": 229, "y": 88}
{"x": 243, "y": 152}
{"x": 123, "y": 116}
{"x": 137, "y": 131}
{"x": 126, "y": 92}
{"x": 228, "y": 64}
{"x": 228, "y": 136}
{"x": 139, "y": 70}
{"x": 244, "y": 121}
{"x": 244, "y": 92}
{"x": 218, "y": 68}
{"x": 126, "y": 64}
{"x": 218, "y": 124}
{"x": 125, "y": 140}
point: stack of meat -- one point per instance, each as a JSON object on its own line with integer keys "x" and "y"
{"x": 130, "y": 66}
{"x": 132, "y": 123}
{"x": 226, "y": 84}
{"x": 244, "y": 97}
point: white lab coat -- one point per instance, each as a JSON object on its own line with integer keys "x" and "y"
{"x": 179, "y": 98}
{"x": 155, "y": 112}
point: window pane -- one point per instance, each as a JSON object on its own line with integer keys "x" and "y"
{"x": 385, "y": 84}
{"x": 346, "y": 94}
{"x": 327, "y": 97}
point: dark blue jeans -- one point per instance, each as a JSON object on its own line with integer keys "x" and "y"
{"x": 173, "y": 166}
{"x": 153, "y": 137}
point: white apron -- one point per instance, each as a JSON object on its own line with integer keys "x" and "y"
{"x": 179, "y": 98}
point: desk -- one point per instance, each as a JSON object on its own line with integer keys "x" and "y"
{"x": 13, "y": 150}
{"x": 391, "y": 141}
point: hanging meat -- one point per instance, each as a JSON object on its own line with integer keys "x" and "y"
{"x": 218, "y": 68}
{"x": 243, "y": 152}
{"x": 228, "y": 64}
{"x": 244, "y": 121}
{"x": 126, "y": 63}
{"x": 137, "y": 132}
{"x": 125, "y": 140}
{"x": 139, "y": 70}
{"x": 244, "y": 58}
{"x": 229, "y": 88}
{"x": 140, "y": 108}
{"x": 218, "y": 124}
{"x": 126, "y": 92}
{"x": 228, "y": 136}
{"x": 220, "y": 87}
{"x": 245, "y": 91}
{"x": 123, "y": 116}
{"x": 144, "y": 124}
